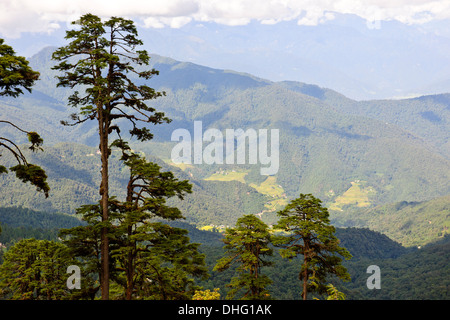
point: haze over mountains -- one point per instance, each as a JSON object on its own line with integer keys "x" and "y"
{"x": 361, "y": 59}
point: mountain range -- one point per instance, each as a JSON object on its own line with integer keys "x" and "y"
{"x": 354, "y": 155}
{"x": 362, "y": 59}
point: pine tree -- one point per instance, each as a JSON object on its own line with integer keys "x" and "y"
{"x": 16, "y": 75}
{"x": 35, "y": 270}
{"x": 310, "y": 234}
{"x": 84, "y": 243}
{"x": 146, "y": 247}
{"x": 100, "y": 59}
{"x": 248, "y": 244}
{"x": 149, "y": 258}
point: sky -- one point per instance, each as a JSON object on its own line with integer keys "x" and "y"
{"x": 363, "y": 49}
{"x": 46, "y": 16}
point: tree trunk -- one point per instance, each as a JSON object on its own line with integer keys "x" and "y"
{"x": 305, "y": 271}
{"x": 129, "y": 289}
{"x": 104, "y": 191}
{"x": 132, "y": 255}
{"x": 305, "y": 284}
{"x": 130, "y": 268}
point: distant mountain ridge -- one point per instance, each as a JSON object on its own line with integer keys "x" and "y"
{"x": 348, "y": 53}
{"x": 359, "y": 58}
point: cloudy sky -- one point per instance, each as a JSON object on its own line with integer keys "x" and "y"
{"x": 364, "y": 49}
{"x": 46, "y": 16}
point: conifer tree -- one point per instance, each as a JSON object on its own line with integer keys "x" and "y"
{"x": 15, "y": 73}
{"x": 15, "y": 76}
{"x": 145, "y": 245}
{"x": 101, "y": 60}
{"x": 35, "y": 270}
{"x": 248, "y": 244}
{"x": 149, "y": 258}
{"x": 310, "y": 234}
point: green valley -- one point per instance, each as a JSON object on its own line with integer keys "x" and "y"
{"x": 275, "y": 194}
{"x": 327, "y": 143}
{"x": 324, "y": 142}
{"x": 228, "y": 176}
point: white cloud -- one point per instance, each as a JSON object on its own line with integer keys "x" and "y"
{"x": 15, "y": 19}
{"x": 162, "y": 22}
{"x": 47, "y": 15}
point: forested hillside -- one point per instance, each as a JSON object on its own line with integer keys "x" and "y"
{"x": 74, "y": 176}
{"x": 341, "y": 150}
{"x": 418, "y": 275}
{"x": 73, "y": 172}
{"x": 326, "y": 140}
{"x": 410, "y": 223}
{"x": 18, "y": 223}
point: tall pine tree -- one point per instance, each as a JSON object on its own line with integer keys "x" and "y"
{"x": 149, "y": 258}
{"x": 310, "y": 234}
{"x": 101, "y": 60}
{"x": 156, "y": 258}
{"x": 247, "y": 245}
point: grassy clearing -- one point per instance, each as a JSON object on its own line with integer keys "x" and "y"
{"x": 358, "y": 195}
{"x": 225, "y": 175}
{"x": 271, "y": 188}
{"x": 182, "y": 166}
{"x": 277, "y": 196}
